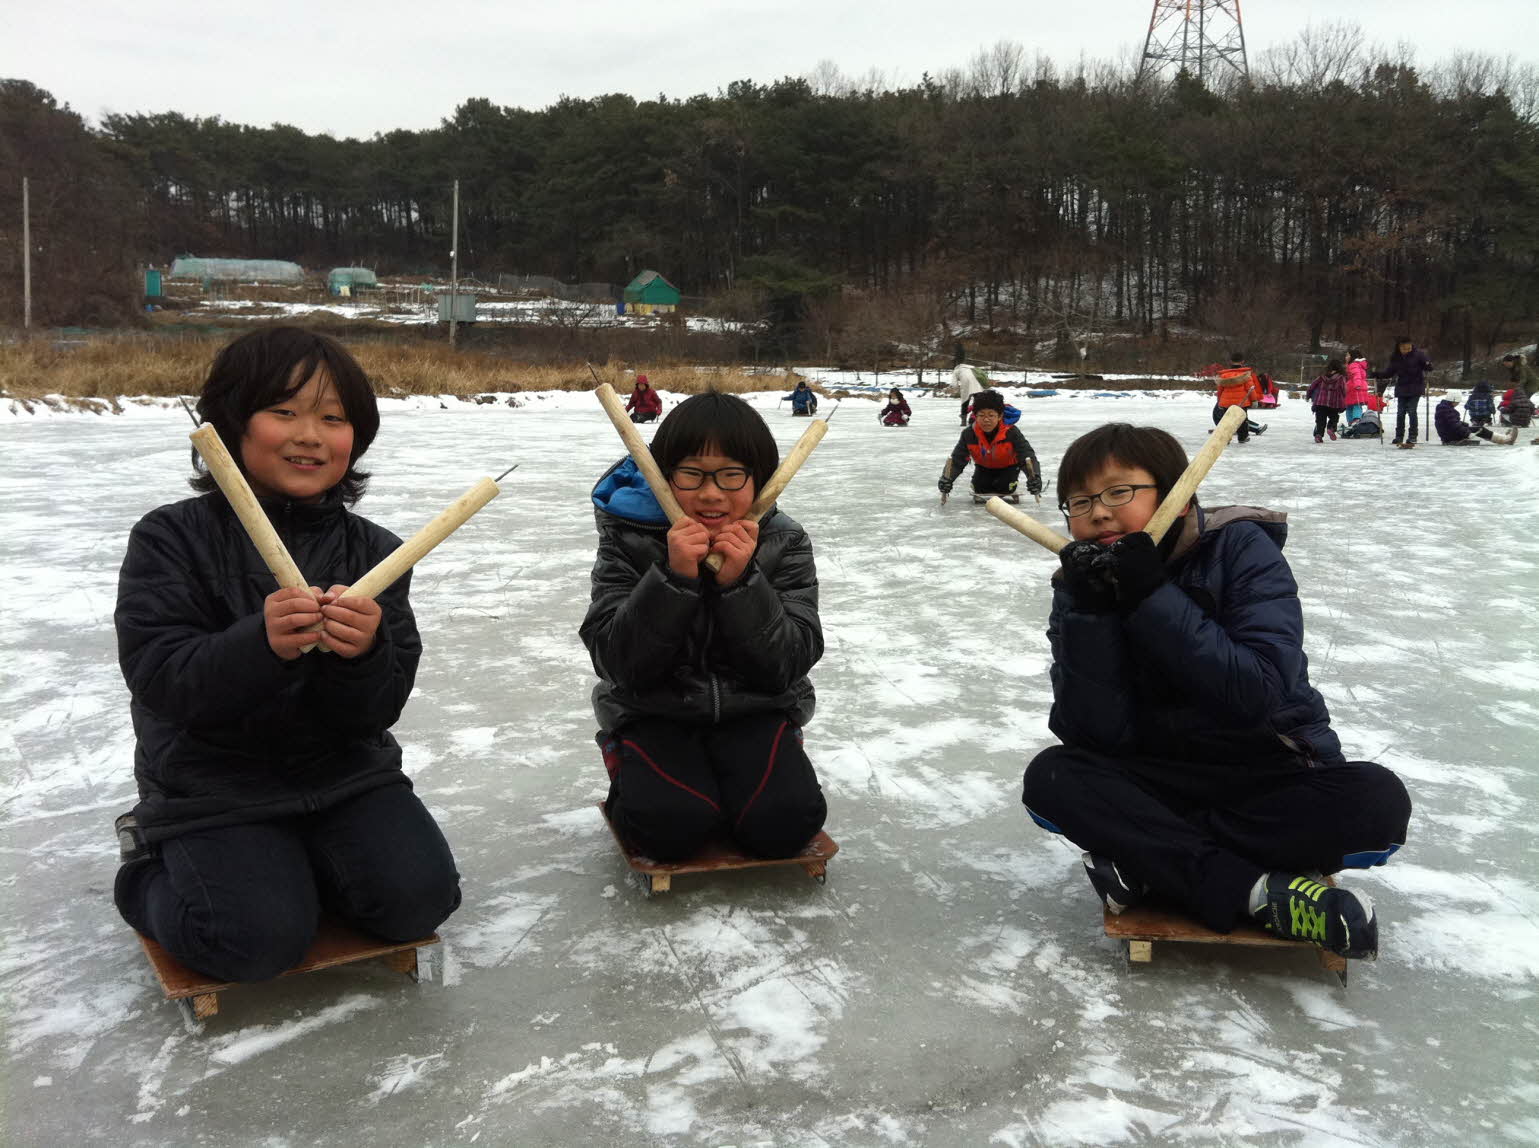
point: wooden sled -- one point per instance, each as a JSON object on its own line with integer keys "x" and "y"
{"x": 980, "y": 499}
{"x": 1143, "y": 925}
{"x": 197, "y": 996}
{"x": 657, "y": 876}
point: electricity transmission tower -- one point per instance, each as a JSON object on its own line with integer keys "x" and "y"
{"x": 1203, "y": 36}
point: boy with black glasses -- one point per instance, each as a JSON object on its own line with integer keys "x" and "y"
{"x": 997, "y": 451}
{"x": 1198, "y": 764}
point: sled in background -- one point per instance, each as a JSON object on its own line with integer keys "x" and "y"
{"x": 657, "y": 876}
{"x": 335, "y": 944}
{"x": 1143, "y": 925}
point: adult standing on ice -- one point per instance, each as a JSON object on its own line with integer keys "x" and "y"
{"x": 1408, "y": 366}
{"x": 967, "y": 384}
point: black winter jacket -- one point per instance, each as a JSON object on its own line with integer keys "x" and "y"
{"x": 682, "y": 649}
{"x": 1207, "y": 676}
{"x": 1409, "y": 372}
{"x": 227, "y": 731}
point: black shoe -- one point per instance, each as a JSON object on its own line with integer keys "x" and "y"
{"x": 1117, "y": 893}
{"x": 1301, "y": 908}
{"x": 1260, "y": 429}
{"x": 131, "y": 843}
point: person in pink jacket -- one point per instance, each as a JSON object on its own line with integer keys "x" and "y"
{"x": 1357, "y": 385}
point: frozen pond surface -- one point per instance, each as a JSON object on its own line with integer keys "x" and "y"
{"x": 950, "y": 985}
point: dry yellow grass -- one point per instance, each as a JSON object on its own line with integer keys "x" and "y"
{"x": 161, "y": 365}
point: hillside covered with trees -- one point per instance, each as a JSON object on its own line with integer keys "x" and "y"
{"x": 1342, "y": 193}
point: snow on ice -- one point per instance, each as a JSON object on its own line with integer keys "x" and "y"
{"x": 950, "y": 984}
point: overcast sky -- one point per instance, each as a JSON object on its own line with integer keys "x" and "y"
{"x": 354, "y": 69}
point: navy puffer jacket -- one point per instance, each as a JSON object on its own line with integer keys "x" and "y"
{"x": 1208, "y": 672}
{"x": 227, "y": 732}
{"x": 1409, "y": 372}
{"x": 680, "y": 648}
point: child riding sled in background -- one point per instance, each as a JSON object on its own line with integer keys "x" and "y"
{"x": 998, "y": 453}
{"x": 1198, "y": 764}
{"x": 897, "y": 411}
{"x": 804, "y": 400}
{"x": 270, "y": 786}
{"x": 703, "y": 687}
{"x": 645, "y": 404}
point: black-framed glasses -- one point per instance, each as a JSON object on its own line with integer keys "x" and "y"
{"x": 693, "y": 478}
{"x": 1119, "y": 495}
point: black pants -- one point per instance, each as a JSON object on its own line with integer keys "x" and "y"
{"x": 1203, "y": 856}
{"x": 995, "y": 480}
{"x": 1326, "y": 417}
{"x": 1405, "y": 407}
{"x": 242, "y": 903}
{"x": 1243, "y": 434}
{"x": 644, "y": 417}
{"x": 673, "y": 787}
{"x": 966, "y": 406}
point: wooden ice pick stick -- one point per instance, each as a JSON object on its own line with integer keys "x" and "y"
{"x": 1197, "y": 470}
{"x": 640, "y": 453}
{"x": 238, "y": 492}
{"x": 415, "y": 548}
{"x": 787, "y": 469}
{"x": 1169, "y": 510}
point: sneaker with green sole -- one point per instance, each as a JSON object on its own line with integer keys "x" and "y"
{"x": 1338, "y": 920}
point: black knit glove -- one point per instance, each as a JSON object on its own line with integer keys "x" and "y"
{"x": 1134, "y": 565}
{"x": 1033, "y": 484}
{"x": 944, "y": 484}
{"x": 1089, "y": 589}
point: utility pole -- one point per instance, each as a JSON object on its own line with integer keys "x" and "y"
{"x": 26, "y": 257}
{"x": 454, "y": 265}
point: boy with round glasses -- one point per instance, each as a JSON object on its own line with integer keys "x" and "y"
{"x": 1197, "y": 763}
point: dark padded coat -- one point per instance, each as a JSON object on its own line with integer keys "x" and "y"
{"x": 227, "y": 731}
{"x": 1208, "y": 673}
{"x": 1409, "y": 372}
{"x": 680, "y": 648}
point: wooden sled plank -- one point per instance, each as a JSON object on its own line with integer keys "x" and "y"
{"x": 720, "y": 855}
{"x": 1143, "y": 925}
{"x": 334, "y": 944}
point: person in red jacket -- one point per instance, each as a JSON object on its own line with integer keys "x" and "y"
{"x": 897, "y": 411}
{"x": 645, "y": 404}
{"x": 998, "y": 453}
{"x": 1238, "y": 386}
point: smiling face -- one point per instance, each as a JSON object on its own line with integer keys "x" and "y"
{"x": 708, "y": 504}
{"x": 299, "y": 447}
{"x": 987, "y": 420}
{"x": 1106, "y": 524}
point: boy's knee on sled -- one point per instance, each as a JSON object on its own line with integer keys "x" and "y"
{"x": 668, "y": 833}
{"x": 254, "y": 945}
{"x": 407, "y": 908}
{"x": 780, "y": 827}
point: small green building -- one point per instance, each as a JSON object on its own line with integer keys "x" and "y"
{"x": 347, "y": 280}
{"x": 650, "y": 292}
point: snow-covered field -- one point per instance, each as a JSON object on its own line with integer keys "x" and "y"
{"x": 489, "y": 309}
{"x": 950, "y": 985}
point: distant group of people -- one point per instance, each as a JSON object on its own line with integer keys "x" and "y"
{"x": 1344, "y": 389}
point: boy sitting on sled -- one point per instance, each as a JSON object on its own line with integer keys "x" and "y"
{"x": 1197, "y": 762}
{"x": 997, "y": 452}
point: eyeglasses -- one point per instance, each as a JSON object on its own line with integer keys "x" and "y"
{"x": 693, "y": 478}
{"x": 1082, "y": 504}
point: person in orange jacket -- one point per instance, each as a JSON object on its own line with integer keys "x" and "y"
{"x": 1237, "y": 387}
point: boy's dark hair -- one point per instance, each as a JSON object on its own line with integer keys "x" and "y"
{"x": 1333, "y": 367}
{"x": 989, "y": 401}
{"x": 1152, "y": 449}
{"x": 719, "y": 420}
{"x": 1403, "y": 339}
{"x": 1236, "y": 356}
{"x": 265, "y": 367}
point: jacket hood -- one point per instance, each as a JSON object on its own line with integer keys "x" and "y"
{"x": 1446, "y": 403}
{"x": 1481, "y": 388}
{"x": 1204, "y": 522}
{"x": 624, "y": 493}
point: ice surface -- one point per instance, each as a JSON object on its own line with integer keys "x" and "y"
{"x": 950, "y": 985}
